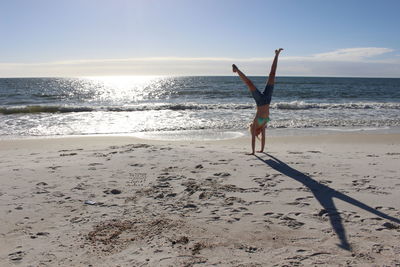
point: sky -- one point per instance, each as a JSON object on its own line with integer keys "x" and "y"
{"x": 352, "y": 38}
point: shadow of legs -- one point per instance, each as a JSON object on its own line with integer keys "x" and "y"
{"x": 324, "y": 195}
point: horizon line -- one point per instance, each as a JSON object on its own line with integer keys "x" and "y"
{"x": 193, "y": 75}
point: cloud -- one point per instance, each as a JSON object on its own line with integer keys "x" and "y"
{"x": 352, "y": 54}
{"x": 362, "y": 61}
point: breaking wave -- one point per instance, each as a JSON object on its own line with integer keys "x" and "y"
{"x": 295, "y": 105}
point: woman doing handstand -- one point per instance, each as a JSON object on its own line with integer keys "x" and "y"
{"x": 262, "y": 100}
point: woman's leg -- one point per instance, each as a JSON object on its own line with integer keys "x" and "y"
{"x": 246, "y": 80}
{"x": 269, "y": 88}
{"x": 271, "y": 77}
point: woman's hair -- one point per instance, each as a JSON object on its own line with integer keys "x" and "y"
{"x": 251, "y": 130}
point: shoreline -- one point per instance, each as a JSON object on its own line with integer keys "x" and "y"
{"x": 211, "y": 135}
{"x": 76, "y": 201}
{"x": 317, "y": 137}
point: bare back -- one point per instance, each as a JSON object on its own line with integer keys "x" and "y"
{"x": 262, "y": 111}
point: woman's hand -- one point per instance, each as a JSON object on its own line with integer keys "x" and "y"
{"x": 277, "y": 51}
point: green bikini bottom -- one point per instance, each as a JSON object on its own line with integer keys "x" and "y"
{"x": 262, "y": 121}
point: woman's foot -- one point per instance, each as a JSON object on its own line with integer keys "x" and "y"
{"x": 277, "y": 51}
{"x": 234, "y": 68}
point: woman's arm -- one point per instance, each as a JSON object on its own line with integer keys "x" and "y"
{"x": 262, "y": 139}
{"x": 253, "y": 139}
{"x": 253, "y": 142}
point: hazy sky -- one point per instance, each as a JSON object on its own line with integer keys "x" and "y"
{"x": 199, "y": 37}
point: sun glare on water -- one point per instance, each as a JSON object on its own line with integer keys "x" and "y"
{"x": 128, "y": 89}
{"x": 124, "y": 81}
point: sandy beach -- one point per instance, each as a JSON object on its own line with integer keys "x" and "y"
{"x": 122, "y": 201}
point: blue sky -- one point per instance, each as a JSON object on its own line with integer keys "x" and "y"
{"x": 202, "y": 37}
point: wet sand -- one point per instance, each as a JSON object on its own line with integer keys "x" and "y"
{"x": 123, "y": 201}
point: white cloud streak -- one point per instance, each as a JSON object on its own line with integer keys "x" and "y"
{"x": 352, "y": 54}
{"x": 361, "y": 61}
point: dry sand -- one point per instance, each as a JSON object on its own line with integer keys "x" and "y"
{"x": 312, "y": 200}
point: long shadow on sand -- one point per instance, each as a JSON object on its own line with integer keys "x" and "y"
{"x": 324, "y": 195}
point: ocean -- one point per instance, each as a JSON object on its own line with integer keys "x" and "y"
{"x": 204, "y": 107}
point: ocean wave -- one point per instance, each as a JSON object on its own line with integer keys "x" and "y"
{"x": 148, "y": 107}
{"x": 42, "y": 109}
{"x": 335, "y": 123}
{"x": 295, "y": 105}
{"x": 299, "y": 105}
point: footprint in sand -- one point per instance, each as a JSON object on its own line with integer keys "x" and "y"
{"x": 266, "y": 183}
{"x": 170, "y": 168}
{"x": 298, "y": 204}
{"x": 166, "y": 148}
{"x": 95, "y": 164}
{"x": 360, "y": 182}
{"x": 304, "y": 198}
{"x": 80, "y": 186}
{"x": 58, "y": 194}
{"x": 68, "y": 154}
{"x": 324, "y": 182}
{"x": 67, "y": 150}
{"x": 258, "y": 202}
{"x": 214, "y": 218}
{"x": 222, "y": 174}
{"x": 218, "y": 163}
{"x": 294, "y": 152}
{"x": 54, "y": 167}
{"x": 167, "y": 177}
{"x": 232, "y": 200}
{"x": 246, "y": 248}
{"x": 273, "y": 215}
{"x": 136, "y": 165}
{"x": 162, "y": 185}
{"x": 112, "y": 191}
{"x": 199, "y": 166}
{"x": 290, "y": 222}
{"x": 16, "y": 256}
